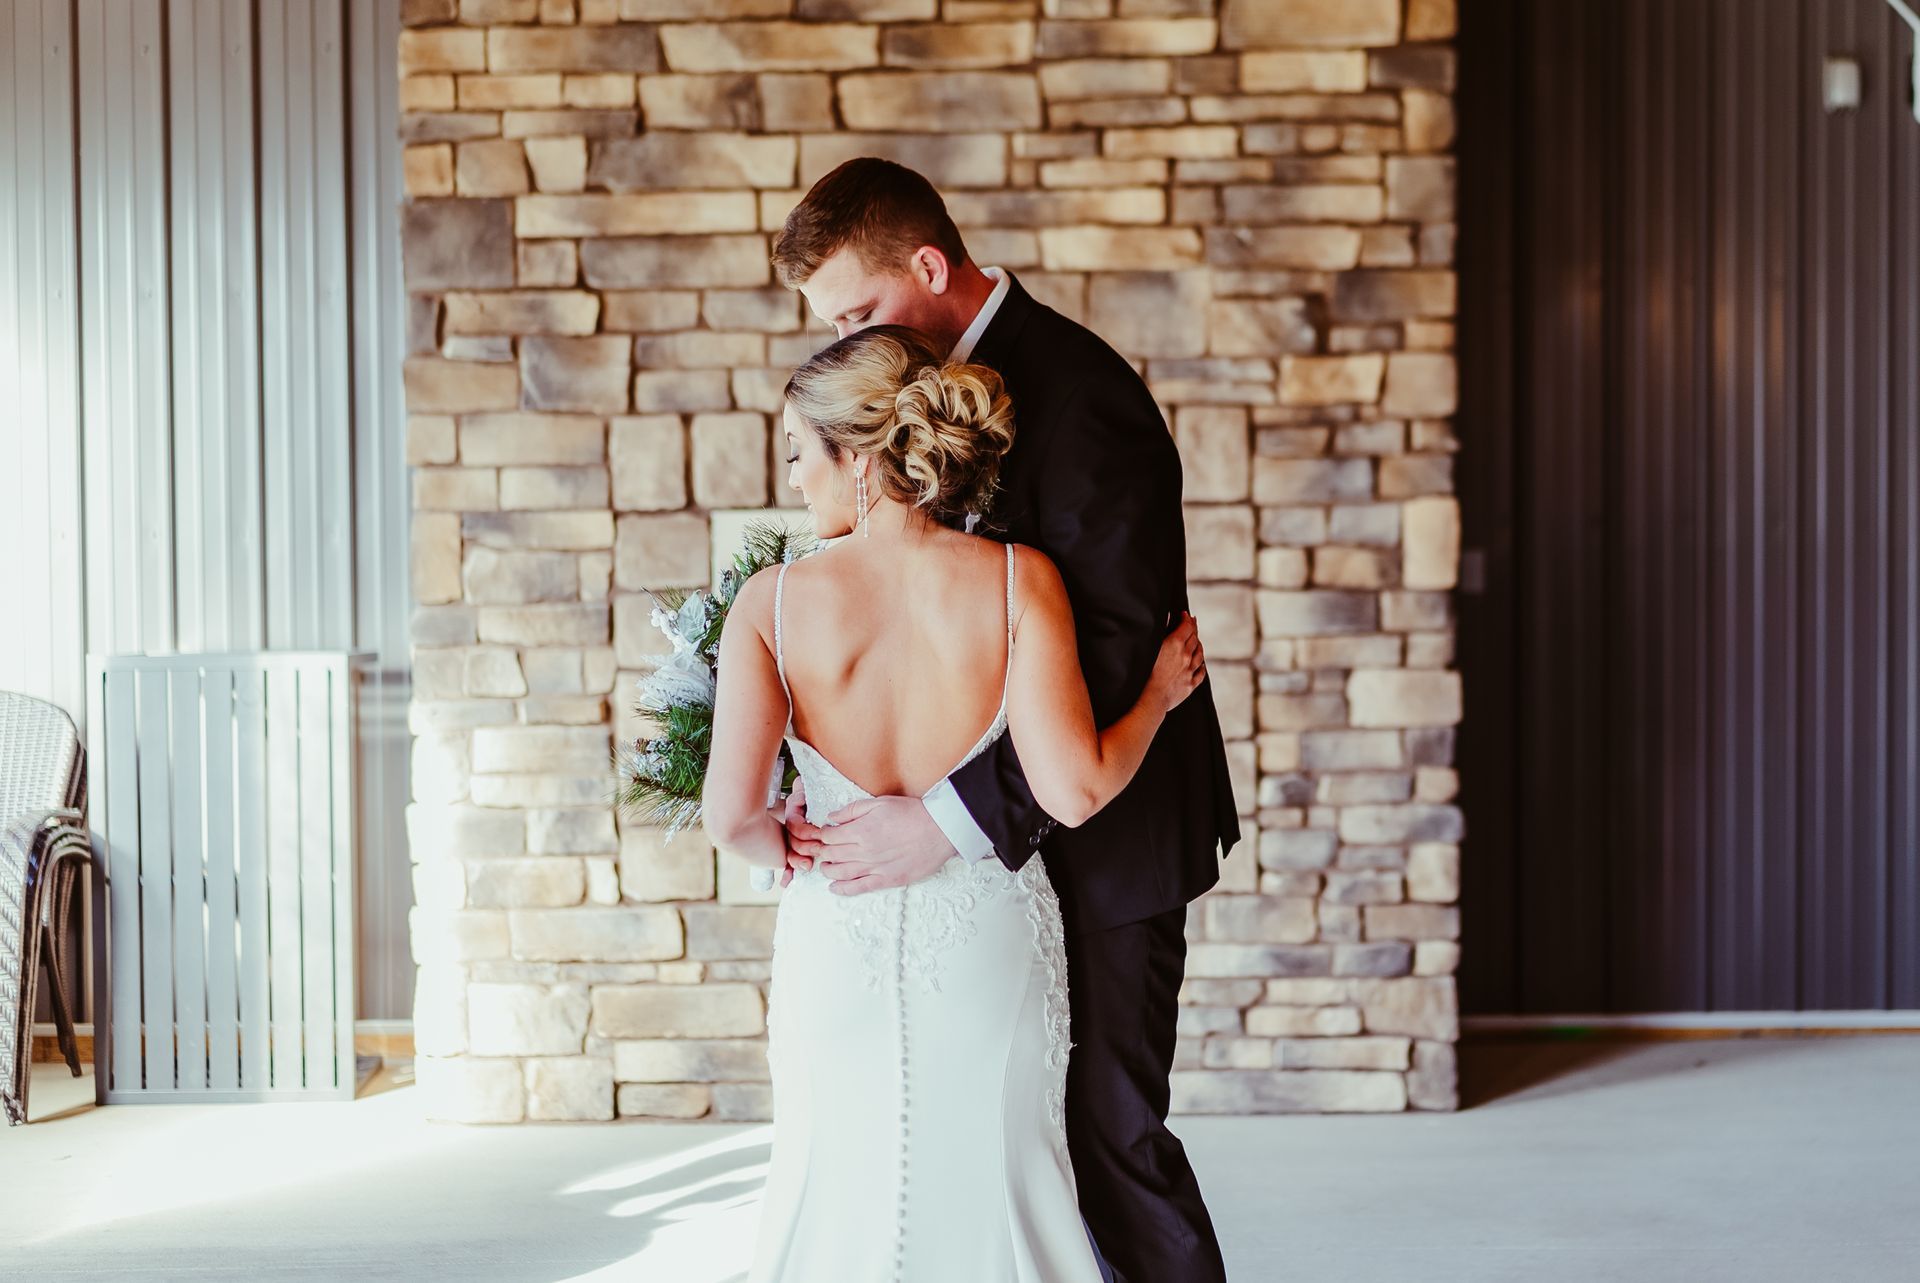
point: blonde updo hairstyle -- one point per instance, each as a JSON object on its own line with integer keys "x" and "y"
{"x": 935, "y": 429}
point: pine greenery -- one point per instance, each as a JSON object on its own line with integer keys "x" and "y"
{"x": 662, "y": 775}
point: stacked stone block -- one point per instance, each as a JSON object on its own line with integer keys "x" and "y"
{"x": 1251, "y": 199}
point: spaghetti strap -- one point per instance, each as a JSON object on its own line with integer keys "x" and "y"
{"x": 1009, "y": 604}
{"x": 1006, "y": 682}
{"x": 779, "y": 643}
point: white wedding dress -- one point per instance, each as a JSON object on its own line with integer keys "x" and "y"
{"x": 918, "y": 1044}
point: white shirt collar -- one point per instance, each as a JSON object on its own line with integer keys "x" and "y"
{"x": 964, "y": 348}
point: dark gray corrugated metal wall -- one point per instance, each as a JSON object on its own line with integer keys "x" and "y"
{"x": 1691, "y": 417}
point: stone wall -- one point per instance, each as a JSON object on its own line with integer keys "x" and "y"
{"x": 1250, "y": 198}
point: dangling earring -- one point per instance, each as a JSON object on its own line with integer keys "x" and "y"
{"x": 860, "y": 502}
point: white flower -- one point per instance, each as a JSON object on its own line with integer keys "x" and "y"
{"x": 692, "y": 625}
{"x": 684, "y": 627}
{"x": 681, "y": 678}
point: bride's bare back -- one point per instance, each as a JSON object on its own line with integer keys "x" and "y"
{"x": 896, "y": 656}
{"x": 896, "y": 663}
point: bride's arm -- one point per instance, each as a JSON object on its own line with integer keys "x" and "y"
{"x": 749, "y": 716}
{"x": 1073, "y": 767}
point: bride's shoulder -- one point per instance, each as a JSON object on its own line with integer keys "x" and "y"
{"x": 1035, "y": 577}
{"x": 819, "y": 572}
{"x": 1027, "y": 558}
{"x": 754, "y": 602}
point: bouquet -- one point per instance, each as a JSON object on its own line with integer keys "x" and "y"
{"x": 662, "y": 775}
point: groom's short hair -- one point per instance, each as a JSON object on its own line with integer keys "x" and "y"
{"x": 882, "y": 210}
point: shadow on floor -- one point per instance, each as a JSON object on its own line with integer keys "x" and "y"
{"x": 1497, "y": 1067}
{"x": 1493, "y": 1068}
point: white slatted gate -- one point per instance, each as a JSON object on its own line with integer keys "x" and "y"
{"x": 222, "y": 795}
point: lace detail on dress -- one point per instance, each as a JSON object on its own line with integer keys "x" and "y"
{"x": 941, "y": 914}
{"x": 948, "y": 898}
{"x": 938, "y": 910}
{"x": 827, "y": 789}
{"x": 1050, "y": 942}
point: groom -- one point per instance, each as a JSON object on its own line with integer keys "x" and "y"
{"x": 1093, "y": 481}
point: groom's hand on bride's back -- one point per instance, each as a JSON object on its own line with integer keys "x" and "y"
{"x": 873, "y": 844}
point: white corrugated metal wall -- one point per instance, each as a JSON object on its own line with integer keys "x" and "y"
{"x": 200, "y": 340}
{"x": 39, "y": 352}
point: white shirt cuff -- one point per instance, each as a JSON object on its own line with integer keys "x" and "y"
{"x": 951, "y": 814}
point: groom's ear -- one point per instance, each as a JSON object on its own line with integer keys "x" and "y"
{"x": 931, "y": 268}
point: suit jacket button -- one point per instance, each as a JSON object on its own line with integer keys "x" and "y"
{"x": 1034, "y": 840}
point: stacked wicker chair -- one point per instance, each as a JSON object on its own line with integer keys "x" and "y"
{"x": 43, "y": 843}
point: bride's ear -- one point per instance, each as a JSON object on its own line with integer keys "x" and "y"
{"x": 846, "y": 482}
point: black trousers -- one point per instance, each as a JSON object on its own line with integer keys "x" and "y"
{"x": 1137, "y": 1190}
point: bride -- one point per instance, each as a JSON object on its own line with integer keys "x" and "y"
{"x": 917, "y": 1036}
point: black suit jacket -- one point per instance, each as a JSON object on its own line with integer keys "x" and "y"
{"x": 1093, "y": 481}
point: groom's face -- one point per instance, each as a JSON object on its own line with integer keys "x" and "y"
{"x": 849, "y": 295}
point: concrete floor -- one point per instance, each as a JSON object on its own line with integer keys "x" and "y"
{"x": 1748, "y": 1159}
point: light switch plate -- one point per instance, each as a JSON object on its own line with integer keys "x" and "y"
{"x": 1840, "y": 84}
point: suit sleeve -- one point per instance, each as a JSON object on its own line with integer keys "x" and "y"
{"x": 1108, "y": 514}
